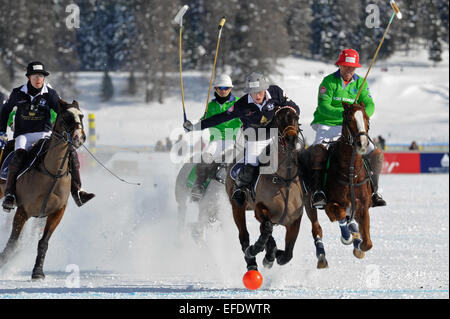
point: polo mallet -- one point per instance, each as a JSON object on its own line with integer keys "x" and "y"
{"x": 399, "y": 16}
{"x": 221, "y": 24}
{"x": 179, "y": 20}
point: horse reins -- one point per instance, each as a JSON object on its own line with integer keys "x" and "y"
{"x": 66, "y": 137}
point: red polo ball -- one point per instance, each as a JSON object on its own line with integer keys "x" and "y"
{"x": 252, "y": 279}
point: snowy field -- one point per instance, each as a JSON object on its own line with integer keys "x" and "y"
{"x": 124, "y": 243}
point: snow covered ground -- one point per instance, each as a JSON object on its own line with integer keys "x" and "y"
{"x": 124, "y": 243}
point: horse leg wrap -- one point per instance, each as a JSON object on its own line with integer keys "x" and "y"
{"x": 345, "y": 232}
{"x": 271, "y": 250}
{"x": 354, "y": 229}
{"x": 320, "y": 249}
{"x": 39, "y": 264}
{"x": 353, "y": 226}
{"x": 260, "y": 244}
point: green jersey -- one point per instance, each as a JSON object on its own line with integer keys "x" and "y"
{"x": 215, "y": 108}
{"x": 333, "y": 92}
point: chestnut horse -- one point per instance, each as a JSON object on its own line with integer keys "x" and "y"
{"x": 43, "y": 190}
{"x": 278, "y": 200}
{"x": 347, "y": 185}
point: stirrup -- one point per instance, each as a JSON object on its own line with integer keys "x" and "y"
{"x": 318, "y": 200}
{"x": 377, "y": 200}
{"x": 9, "y": 203}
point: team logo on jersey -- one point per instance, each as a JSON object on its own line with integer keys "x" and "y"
{"x": 263, "y": 119}
{"x": 270, "y": 106}
{"x": 323, "y": 90}
{"x": 231, "y": 109}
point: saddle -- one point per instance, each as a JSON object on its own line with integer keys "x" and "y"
{"x": 33, "y": 159}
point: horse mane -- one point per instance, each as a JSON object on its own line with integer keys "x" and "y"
{"x": 63, "y": 105}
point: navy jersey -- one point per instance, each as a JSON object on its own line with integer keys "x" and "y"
{"x": 251, "y": 115}
{"x": 33, "y": 113}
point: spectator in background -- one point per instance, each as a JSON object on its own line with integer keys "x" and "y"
{"x": 168, "y": 144}
{"x": 413, "y": 146}
{"x": 159, "y": 147}
{"x": 181, "y": 145}
{"x": 381, "y": 142}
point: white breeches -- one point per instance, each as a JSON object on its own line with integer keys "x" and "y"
{"x": 326, "y": 134}
{"x": 25, "y": 141}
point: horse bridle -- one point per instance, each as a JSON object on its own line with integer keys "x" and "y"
{"x": 351, "y": 140}
{"x": 288, "y": 130}
{"x": 66, "y": 136}
{"x": 277, "y": 179}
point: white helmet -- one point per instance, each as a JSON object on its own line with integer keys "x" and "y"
{"x": 224, "y": 81}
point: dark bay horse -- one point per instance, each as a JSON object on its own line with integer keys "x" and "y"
{"x": 278, "y": 200}
{"x": 43, "y": 191}
{"x": 347, "y": 185}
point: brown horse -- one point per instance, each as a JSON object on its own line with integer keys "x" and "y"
{"x": 278, "y": 200}
{"x": 347, "y": 185}
{"x": 43, "y": 191}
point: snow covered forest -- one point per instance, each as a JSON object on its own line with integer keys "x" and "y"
{"x": 139, "y": 36}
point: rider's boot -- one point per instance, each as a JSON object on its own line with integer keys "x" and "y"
{"x": 319, "y": 156}
{"x": 243, "y": 181}
{"x": 198, "y": 189}
{"x": 375, "y": 164}
{"x": 78, "y": 194}
{"x": 13, "y": 170}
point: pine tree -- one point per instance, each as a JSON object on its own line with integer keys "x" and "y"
{"x": 107, "y": 89}
{"x": 299, "y": 18}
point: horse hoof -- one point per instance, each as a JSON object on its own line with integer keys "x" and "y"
{"x": 322, "y": 262}
{"x": 37, "y": 277}
{"x": 358, "y": 253}
{"x": 282, "y": 259}
{"x": 267, "y": 264}
{"x": 349, "y": 241}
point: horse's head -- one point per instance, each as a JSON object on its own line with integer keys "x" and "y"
{"x": 286, "y": 121}
{"x": 355, "y": 126}
{"x": 70, "y": 123}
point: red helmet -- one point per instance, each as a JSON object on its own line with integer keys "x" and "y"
{"x": 349, "y": 57}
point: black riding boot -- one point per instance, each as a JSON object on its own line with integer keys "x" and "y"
{"x": 243, "y": 180}
{"x": 375, "y": 164}
{"x": 319, "y": 157}
{"x": 204, "y": 170}
{"x": 13, "y": 169}
{"x": 79, "y": 195}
